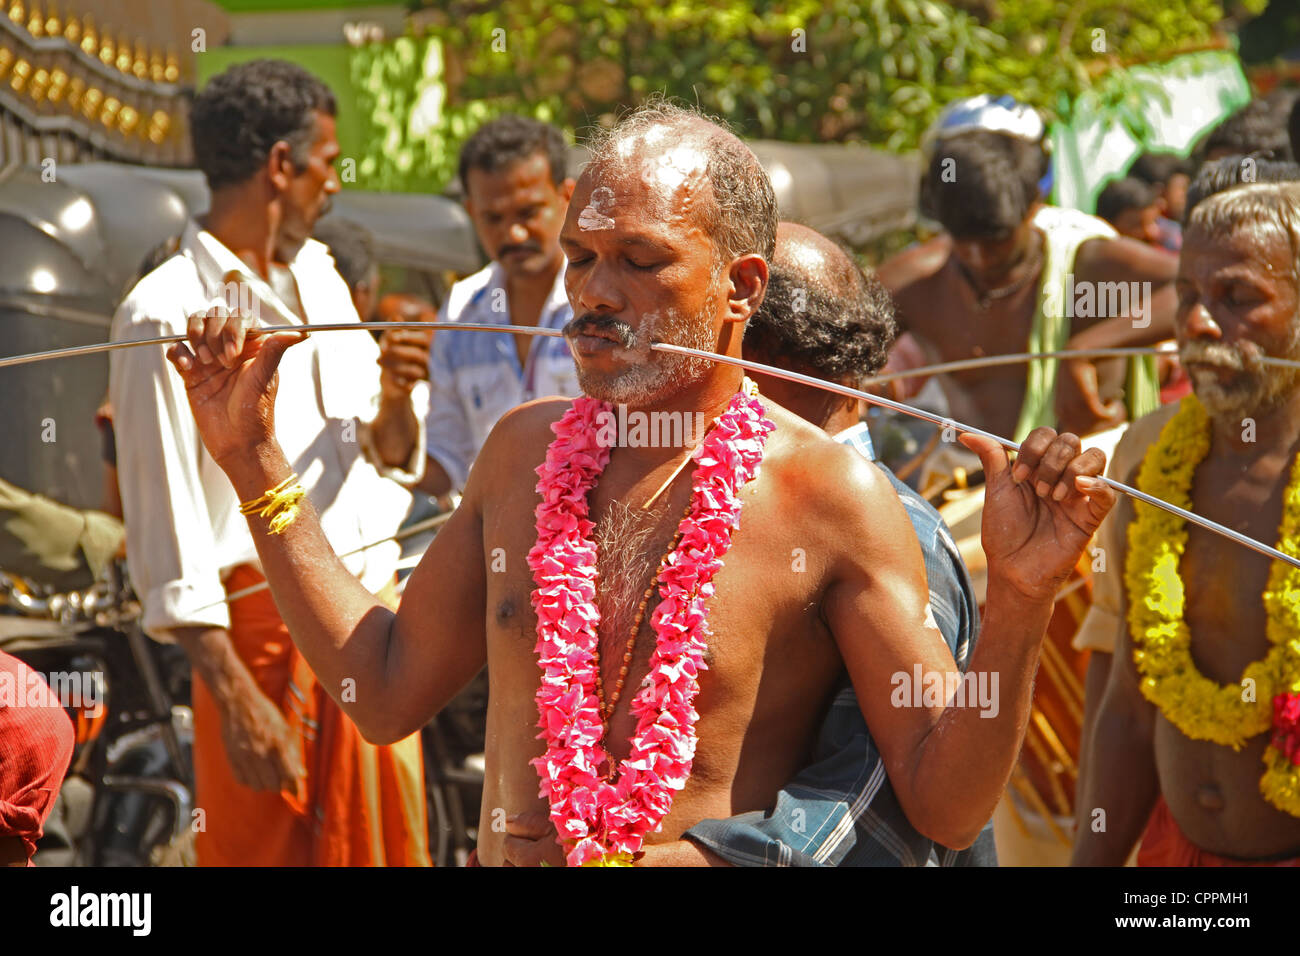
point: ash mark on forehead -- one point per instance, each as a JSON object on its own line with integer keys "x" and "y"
{"x": 594, "y": 217}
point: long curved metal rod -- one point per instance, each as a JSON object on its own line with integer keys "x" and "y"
{"x": 959, "y": 427}
{"x": 1016, "y": 358}
{"x": 79, "y": 350}
{"x": 772, "y": 370}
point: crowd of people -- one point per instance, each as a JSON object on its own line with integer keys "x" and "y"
{"x": 756, "y": 645}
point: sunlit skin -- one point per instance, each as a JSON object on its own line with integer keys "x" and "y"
{"x": 1238, "y": 292}
{"x": 937, "y": 284}
{"x": 780, "y": 638}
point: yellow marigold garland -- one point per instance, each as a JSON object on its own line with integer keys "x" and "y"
{"x": 1199, "y": 707}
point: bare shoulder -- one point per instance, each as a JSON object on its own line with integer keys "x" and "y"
{"x": 916, "y": 264}
{"x": 1123, "y": 260}
{"x": 516, "y": 446}
{"x": 807, "y": 465}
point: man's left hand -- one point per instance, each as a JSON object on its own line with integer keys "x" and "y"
{"x": 404, "y": 358}
{"x": 1039, "y": 516}
{"x": 530, "y": 840}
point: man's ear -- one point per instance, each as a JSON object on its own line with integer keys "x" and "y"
{"x": 748, "y": 276}
{"x": 566, "y": 189}
{"x": 279, "y": 166}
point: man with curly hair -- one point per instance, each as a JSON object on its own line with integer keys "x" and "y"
{"x": 513, "y": 176}
{"x": 282, "y": 776}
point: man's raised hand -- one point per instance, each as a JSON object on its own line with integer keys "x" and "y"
{"x": 230, "y": 379}
{"x": 1039, "y": 516}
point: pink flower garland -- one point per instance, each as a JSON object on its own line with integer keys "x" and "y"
{"x": 598, "y": 820}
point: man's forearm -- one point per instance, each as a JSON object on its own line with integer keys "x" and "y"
{"x": 395, "y": 431}
{"x": 979, "y": 742}
{"x": 1119, "y": 780}
{"x": 436, "y": 482}
{"x": 213, "y": 655}
{"x": 341, "y": 628}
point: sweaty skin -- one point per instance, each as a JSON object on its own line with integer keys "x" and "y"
{"x": 937, "y": 305}
{"x": 779, "y": 636}
{"x": 1234, "y": 290}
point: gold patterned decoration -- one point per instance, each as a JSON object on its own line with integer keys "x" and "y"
{"x": 76, "y": 89}
{"x": 17, "y": 12}
{"x": 21, "y": 71}
{"x": 58, "y": 84}
{"x": 89, "y": 37}
{"x": 40, "y": 83}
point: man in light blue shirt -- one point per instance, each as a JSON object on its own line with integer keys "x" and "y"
{"x": 516, "y": 190}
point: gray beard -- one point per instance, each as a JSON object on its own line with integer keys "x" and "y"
{"x": 1260, "y": 389}
{"x": 658, "y": 374}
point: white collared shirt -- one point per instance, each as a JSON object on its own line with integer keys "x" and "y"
{"x": 475, "y": 377}
{"x": 184, "y": 530}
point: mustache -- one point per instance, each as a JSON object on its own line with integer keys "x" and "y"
{"x": 1240, "y": 358}
{"x": 523, "y": 247}
{"x": 603, "y": 325}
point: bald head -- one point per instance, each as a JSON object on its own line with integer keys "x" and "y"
{"x": 689, "y": 163}
{"x": 818, "y": 262}
{"x": 822, "y": 314}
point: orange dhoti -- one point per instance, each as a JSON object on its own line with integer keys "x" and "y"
{"x": 1164, "y": 844}
{"x": 361, "y": 805}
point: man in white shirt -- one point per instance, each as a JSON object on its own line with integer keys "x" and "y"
{"x": 282, "y": 777}
{"x": 512, "y": 171}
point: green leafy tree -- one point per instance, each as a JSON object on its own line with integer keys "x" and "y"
{"x": 875, "y": 71}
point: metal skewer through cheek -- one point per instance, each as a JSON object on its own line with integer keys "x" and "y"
{"x": 958, "y": 426}
{"x": 775, "y": 372}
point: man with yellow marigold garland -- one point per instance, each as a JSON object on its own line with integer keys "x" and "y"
{"x": 1195, "y": 746}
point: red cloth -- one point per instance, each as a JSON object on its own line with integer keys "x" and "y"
{"x": 473, "y": 858}
{"x": 1163, "y": 844}
{"x": 36, "y": 741}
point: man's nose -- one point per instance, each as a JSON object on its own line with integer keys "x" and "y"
{"x": 1200, "y": 324}
{"x": 598, "y": 291}
{"x": 518, "y": 233}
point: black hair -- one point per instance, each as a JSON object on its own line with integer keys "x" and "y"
{"x": 1259, "y": 128}
{"x": 1159, "y": 168}
{"x": 843, "y": 335}
{"x": 351, "y": 244}
{"x": 981, "y": 184}
{"x": 1222, "y": 174}
{"x": 243, "y": 112}
{"x": 1124, "y": 194}
{"x": 508, "y": 139}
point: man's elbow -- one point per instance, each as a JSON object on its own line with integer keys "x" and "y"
{"x": 382, "y": 729}
{"x": 953, "y": 834}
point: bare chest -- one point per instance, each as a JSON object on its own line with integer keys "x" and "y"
{"x": 1223, "y": 582}
{"x": 763, "y": 610}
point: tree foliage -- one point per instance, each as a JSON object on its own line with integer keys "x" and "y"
{"x": 875, "y": 71}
